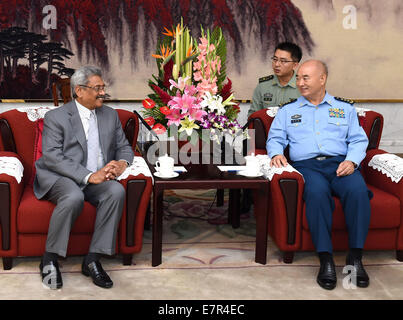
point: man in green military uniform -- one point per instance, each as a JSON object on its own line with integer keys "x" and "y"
{"x": 280, "y": 87}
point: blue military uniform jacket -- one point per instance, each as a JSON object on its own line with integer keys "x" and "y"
{"x": 330, "y": 128}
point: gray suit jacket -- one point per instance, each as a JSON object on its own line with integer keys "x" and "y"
{"x": 64, "y": 146}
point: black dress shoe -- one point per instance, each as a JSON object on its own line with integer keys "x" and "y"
{"x": 51, "y": 276}
{"x": 97, "y": 273}
{"x": 327, "y": 274}
{"x": 362, "y": 279}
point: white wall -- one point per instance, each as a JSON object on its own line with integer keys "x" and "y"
{"x": 392, "y": 136}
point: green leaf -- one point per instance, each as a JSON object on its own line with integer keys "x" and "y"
{"x": 191, "y": 58}
{"x": 219, "y": 41}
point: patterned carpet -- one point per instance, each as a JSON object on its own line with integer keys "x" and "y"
{"x": 197, "y": 235}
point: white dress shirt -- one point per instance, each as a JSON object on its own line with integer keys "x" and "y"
{"x": 85, "y": 115}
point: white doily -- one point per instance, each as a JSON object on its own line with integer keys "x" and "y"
{"x": 269, "y": 172}
{"x": 139, "y": 166}
{"x": 35, "y": 113}
{"x": 12, "y": 166}
{"x": 389, "y": 164}
{"x": 361, "y": 111}
{"x": 272, "y": 111}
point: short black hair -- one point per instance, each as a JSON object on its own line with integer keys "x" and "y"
{"x": 292, "y": 48}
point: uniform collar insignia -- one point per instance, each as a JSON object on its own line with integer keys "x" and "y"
{"x": 344, "y": 100}
{"x": 263, "y": 79}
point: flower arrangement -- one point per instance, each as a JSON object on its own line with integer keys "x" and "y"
{"x": 189, "y": 91}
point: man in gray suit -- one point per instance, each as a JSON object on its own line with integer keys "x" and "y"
{"x": 84, "y": 150}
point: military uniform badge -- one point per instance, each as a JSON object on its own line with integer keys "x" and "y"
{"x": 336, "y": 113}
{"x": 268, "y": 97}
{"x": 296, "y": 118}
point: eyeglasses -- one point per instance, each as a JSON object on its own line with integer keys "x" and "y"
{"x": 281, "y": 61}
{"x": 96, "y": 88}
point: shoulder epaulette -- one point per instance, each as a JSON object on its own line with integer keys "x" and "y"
{"x": 285, "y": 103}
{"x": 263, "y": 79}
{"x": 344, "y": 100}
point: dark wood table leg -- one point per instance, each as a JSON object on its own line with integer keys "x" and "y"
{"x": 234, "y": 208}
{"x": 220, "y": 197}
{"x": 147, "y": 220}
{"x": 261, "y": 212}
{"x": 157, "y": 227}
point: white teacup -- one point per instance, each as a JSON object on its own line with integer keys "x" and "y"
{"x": 252, "y": 165}
{"x": 165, "y": 165}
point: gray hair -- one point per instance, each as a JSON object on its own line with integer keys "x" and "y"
{"x": 325, "y": 68}
{"x": 81, "y": 76}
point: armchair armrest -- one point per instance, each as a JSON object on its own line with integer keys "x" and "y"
{"x": 10, "y": 196}
{"x": 286, "y": 209}
{"x": 378, "y": 179}
{"x": 138, "y": 192}
{"x": 261, "y": 121}
{"x": 383, "y": 182}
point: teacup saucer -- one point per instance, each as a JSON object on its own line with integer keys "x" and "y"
{"x": 172, "y": 175}
{"x": 250, "y": 174}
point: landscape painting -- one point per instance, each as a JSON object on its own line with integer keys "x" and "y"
{"x": 42, "y": 41}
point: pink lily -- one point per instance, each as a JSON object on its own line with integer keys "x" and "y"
{"x": 183, "y": 102}
{"x": 175, "y": 117}
{"x": 196, "y": 114}
{"x": 180, "y": 85}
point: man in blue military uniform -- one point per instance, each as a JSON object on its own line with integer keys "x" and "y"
{"x": 326, "y": 145}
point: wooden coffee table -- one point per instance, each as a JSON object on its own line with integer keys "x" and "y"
{"x": 208, "y": 176}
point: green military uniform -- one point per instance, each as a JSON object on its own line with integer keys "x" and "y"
{"x": 270, "y": 93}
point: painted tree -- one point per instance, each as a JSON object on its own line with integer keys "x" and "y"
{"x": 33, "y": 42}
{"x": 3, "y": 48}
{"x": 17, "y": 43}
{"x": 54, "y": 54}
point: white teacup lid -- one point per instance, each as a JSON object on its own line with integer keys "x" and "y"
{"x": 252, "y": 156}
{"x": 165, "y": 157}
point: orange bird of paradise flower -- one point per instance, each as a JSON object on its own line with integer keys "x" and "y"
{"x": 165, "y": 52}
{"x": 172, "y": 33}
{"x": 190, "y": 52}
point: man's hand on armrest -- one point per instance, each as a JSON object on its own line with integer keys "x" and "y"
{"x": 279, "y": 161}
